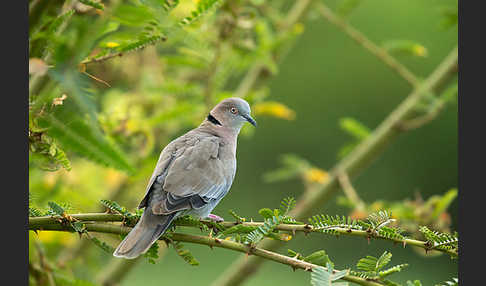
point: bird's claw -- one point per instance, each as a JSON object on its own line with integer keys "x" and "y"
{"x": 215, "y": 218}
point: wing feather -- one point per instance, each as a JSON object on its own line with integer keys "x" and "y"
{"x": 189, "y": 175}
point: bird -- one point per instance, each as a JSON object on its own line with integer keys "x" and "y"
{"x": 193, "y": 173}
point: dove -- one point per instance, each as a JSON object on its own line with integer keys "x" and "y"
{"x": 193, "y": 173}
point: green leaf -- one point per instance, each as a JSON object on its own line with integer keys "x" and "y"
{"x": 391, "y": 270}
{"x": 383, "y": 260}
{"x": 33, "y": 212}
{"x": 78, "y": 226}
{"x": 287, "y": 205}
{"x": 293, "y": 166}
{"x": 132, "y": 15}
{"x": 55, "y": 208}
{"x": 346, "y": 7}
{"x": 444, "y": 202}
{"x": 414, "y": 283}
{"x": 354, "y": 128}
{"x": 185, "y": 254}
{"x": 453, "y": 282}
{"x": 406, "y": 47}
{"x": 322, "y": 277}
{"x": 367, "y": 264}
{"x": 440, "y": 240}
{"x": 166, "y": 5}
{"x": 79, "y": 135}
{"x": 102, "y": 245}
{"x": 266, "y": 213}
{"x": 319, "y": 258}
{"x": 449, "y": 16}
{"x": 380, "y": 219}
{"x": 203, "y": 7}
{"x": 258, "y": 234}
{"x": 153, "y": 253}
{"x": 236, "y": 216}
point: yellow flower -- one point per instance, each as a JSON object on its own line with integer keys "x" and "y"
{"x": 285, "y": 237}
{"x": 419, "y": 50}
{"x": 274, "y": 109}
{"x": 112, "y": 45}
{"x": 113, "y": 178}
{"x": 316, "y": 175}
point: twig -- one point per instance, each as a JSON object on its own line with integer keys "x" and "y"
{"x": 44, "y": 265}
{"x": 113, "y": 55}
{"x": 357, "y": 160}
{"x": 116, "y": 271}
{"x": 350, "y": 192}
{"x": 361, "y": 39}
{"x": 51, "y": 222}
{"x": 215, "y": 242}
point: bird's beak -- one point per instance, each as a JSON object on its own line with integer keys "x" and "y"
{"x": 251, "y": 120}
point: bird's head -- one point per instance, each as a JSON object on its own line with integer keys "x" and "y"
{"x": 231, "y": 112}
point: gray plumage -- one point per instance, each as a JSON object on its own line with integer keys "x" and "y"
{"x": 193, "y": 173}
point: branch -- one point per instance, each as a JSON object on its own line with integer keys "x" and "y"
{"x": 113, "y": 55}
{"x": 356, "y": 161}
{"x": 361, "y": 39}
{"x": 215, "y": 242}
{"x": 46, "y": 222}
{"x": 350, "y": 192}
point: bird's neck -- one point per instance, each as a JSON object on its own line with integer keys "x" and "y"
{"x": 229, "y": 134}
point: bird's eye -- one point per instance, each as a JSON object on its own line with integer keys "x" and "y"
{"x": 233, "y": 110}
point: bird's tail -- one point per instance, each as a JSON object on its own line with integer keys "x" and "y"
{"x": 148, "y": 229}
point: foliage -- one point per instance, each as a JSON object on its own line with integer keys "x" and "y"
{"x": 410, "y": 214}
{"x": 440, "y": 240}
{"x": 326, "y": 277}
{"x": 354, "y": 128}
{"x": 185, "y": 254}
{"x": 371, "y": 268}
{"x": 318, "y": 258}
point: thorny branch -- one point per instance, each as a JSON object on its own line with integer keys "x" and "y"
{"x": 52, "y": 223}
{"x": 215, "y": 242}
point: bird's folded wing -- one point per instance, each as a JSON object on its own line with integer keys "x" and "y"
{"x": 191, "y": 178}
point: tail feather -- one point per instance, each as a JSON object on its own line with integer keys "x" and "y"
{"x": 148, "y": 229}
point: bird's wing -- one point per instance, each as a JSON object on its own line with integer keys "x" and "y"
{"x": 166, "y": 157}
{"x": 192, "y": 177}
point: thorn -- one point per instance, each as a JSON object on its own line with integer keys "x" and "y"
{"x": 404, "y": 243}
{"x": 368, "y": 238}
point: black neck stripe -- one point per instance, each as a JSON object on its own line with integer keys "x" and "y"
{"x": 213, "y": 120}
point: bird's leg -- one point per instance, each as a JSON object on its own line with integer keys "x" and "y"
{"x": 215, "y": 218}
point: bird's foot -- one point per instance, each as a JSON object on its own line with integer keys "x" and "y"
{"x": 215, "y": 218}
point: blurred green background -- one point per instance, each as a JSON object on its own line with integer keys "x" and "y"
{"x": 326, "y": 76}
